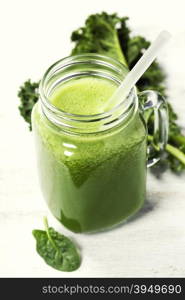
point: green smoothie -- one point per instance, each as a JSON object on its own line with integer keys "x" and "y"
{"x": 90, "y": 181}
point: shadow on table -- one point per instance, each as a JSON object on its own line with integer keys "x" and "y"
{"x": 150, "y": 205}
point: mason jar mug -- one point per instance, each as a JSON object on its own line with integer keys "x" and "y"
{"x": 92, "y": 168}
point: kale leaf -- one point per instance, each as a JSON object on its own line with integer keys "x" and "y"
{"x": 100, "y": 36}
{"x": 28, "y": 94}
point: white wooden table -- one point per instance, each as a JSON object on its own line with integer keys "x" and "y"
{"x": 34, "y": 35}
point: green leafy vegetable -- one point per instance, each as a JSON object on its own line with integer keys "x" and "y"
{"x": 57, "y": 250}
{"x": 28, "y": 94}
{"x": 108, "y": 34}
{"x": 100, "y": 36}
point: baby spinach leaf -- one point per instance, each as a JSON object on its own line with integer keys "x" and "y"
{"x": 57, "y": 250}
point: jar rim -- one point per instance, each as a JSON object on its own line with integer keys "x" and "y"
{"x": 115, "y": 66}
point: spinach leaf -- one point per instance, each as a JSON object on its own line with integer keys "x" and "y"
{"x": 57, "y": 250}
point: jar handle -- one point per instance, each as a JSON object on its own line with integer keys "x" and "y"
{"x": 154, "y": 105}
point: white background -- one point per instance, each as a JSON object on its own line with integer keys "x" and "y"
{"x": 34, "y": 34}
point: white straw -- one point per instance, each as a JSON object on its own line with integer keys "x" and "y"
{"x": 138, "y": 70}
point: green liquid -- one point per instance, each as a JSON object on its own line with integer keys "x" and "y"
{"x": 85, "y": 96}
{"x": 90, "y": 182}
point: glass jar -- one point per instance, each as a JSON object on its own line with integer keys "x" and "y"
{"x": 92, "y": 168}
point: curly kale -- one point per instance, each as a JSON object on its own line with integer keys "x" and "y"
{"x": 108, "y": 34}
{"x": 100, "y": 36}
{"x": 28, "y": 94}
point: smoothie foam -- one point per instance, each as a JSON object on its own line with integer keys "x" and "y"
{"x": 85, "y": 96}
